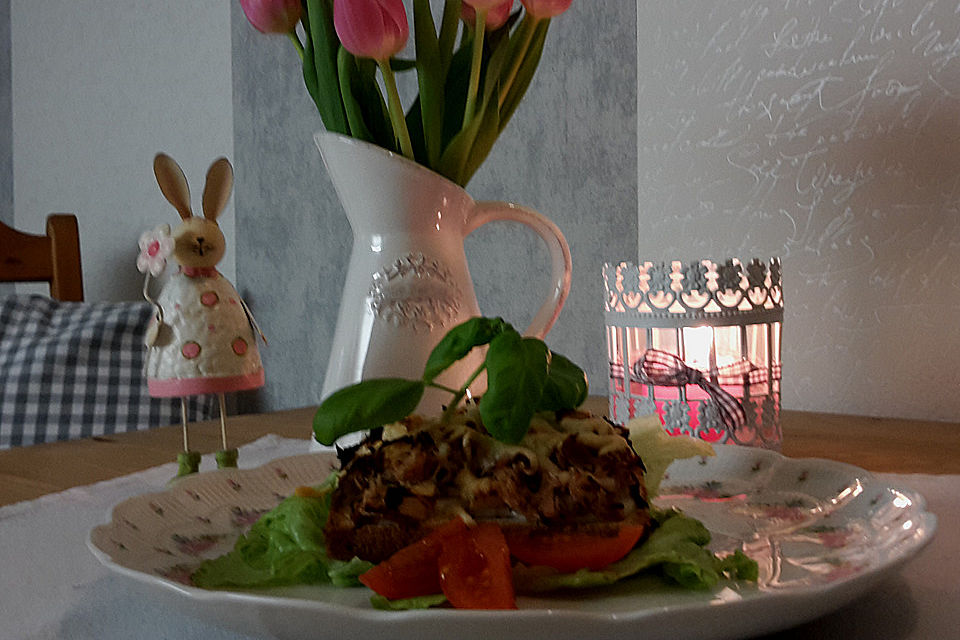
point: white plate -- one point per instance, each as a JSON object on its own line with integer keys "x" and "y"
{"x": 822, "y": 532}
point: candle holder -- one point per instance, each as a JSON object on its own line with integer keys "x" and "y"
{"x": 722, "y": 319}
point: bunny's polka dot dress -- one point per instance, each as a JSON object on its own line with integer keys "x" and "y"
{"x": 205, "y": 343}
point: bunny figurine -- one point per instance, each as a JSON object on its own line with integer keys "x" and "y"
{"x": 202, "y": 338}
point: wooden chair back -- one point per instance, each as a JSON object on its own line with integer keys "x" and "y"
{"x": 53, "y": 258}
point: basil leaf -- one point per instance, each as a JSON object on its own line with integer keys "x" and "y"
{"x": 459, "y": 341}
{"x": 566, "y": 386}
{"x": 516, "y": 373}
{"x": 365, "y": 405}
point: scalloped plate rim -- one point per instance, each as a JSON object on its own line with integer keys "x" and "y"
{"x": 820, "y": 599}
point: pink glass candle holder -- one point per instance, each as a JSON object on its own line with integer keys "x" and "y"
{"x": 724, "y": 319}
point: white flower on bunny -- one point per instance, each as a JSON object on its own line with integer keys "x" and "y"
{"x": 156, "y": 246}
{"x": 202, "y": 338}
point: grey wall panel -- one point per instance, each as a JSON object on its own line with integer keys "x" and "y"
{"x": 570, "y": 152}
{"x": 293, "y": 239}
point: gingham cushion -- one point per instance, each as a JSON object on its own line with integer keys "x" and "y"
{"x": 73, "y": 369}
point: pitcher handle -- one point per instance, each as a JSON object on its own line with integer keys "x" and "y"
{"x": 561, "y": 265}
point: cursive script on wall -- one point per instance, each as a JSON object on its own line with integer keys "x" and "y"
{"x": 826, "y": 132}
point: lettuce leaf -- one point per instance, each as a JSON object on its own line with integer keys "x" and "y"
{"x": 658, "y": 449}
{"x": 676, "y": 548}
{"x": 406, "y": 604}
{"x": 285, "y": 546}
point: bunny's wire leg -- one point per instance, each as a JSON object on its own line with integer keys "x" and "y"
{"x": 187, "y": 461}
{"x": 225, "y": 457}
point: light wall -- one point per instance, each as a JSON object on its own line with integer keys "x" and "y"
{"x": 682, "y": 129}
{"x": 6, "y": 130}
{"x": 97, "y": 89}
{"x": 827, "y": 133}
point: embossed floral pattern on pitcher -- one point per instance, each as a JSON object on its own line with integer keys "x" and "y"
{"x": 416, "y": 292}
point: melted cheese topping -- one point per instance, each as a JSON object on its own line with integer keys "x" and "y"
{"x": 538, "y": 448}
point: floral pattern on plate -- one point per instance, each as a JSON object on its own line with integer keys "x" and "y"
{"x": 168, "y": 534}
{"x": 822, "y": 533}
{"x": 806, "y": 522}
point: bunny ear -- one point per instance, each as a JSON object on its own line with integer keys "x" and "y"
{"x": 217, "y": 190}
{"x": 173, "y": 184}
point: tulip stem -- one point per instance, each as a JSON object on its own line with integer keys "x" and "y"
{"x": 475, "y": 63}
{"x": 297, "y": 44}
{"x": 525, "y": 34}
{"x": 395, "y": 107}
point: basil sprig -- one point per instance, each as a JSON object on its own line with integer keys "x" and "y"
{"x": 523, "y": 377}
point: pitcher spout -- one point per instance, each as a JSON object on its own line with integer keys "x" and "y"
{"x": 380, "y": 188}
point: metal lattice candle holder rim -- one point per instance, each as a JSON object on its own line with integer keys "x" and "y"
{"x": 675, "y": 295}
{"x": 694, "y": 294}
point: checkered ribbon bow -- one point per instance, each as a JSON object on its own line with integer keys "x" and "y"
{"x": 665, "y": 369}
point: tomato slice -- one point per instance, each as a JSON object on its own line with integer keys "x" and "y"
{"x": 475, "y": 570}
{"x": 568, "y": 552}
{"x": 470, "y": 566}
{"x": 413, "y": 570}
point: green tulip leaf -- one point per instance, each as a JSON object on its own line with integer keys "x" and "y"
{"x": 402, "y": 64}
{"x": 503, "y": 32}
{"x": 320, "y": 63}
{"x": 488, "y": 114}
{"x": 459, "y": 341}
{"x": 459, "y": 159}
{"x": 372, "y": 105}
{"x": 525, "y": 73}
{"x": 347, "y": 74}
{"x": 429, "y": 78}
{"x": 516, "y": 374}
{"x": 455, "y": 96}
{"x": 486, "y": 135}
{"x": 499, "y": 46}
{"x": 414, "y": 119}
{"x": 449, "y": 25}
{"x": 365, "y": 405}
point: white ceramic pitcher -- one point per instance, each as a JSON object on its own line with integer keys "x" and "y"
{"x": 407, "y": 282}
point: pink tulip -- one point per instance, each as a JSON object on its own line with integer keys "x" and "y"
{"x": 540, "y": 9}
{"x": 371, "y": 28}
{"x": 496, "y": 16}
{"x": 272, "y": 16}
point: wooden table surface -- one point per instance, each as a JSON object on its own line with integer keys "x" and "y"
{"x": 876, "y": 444}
